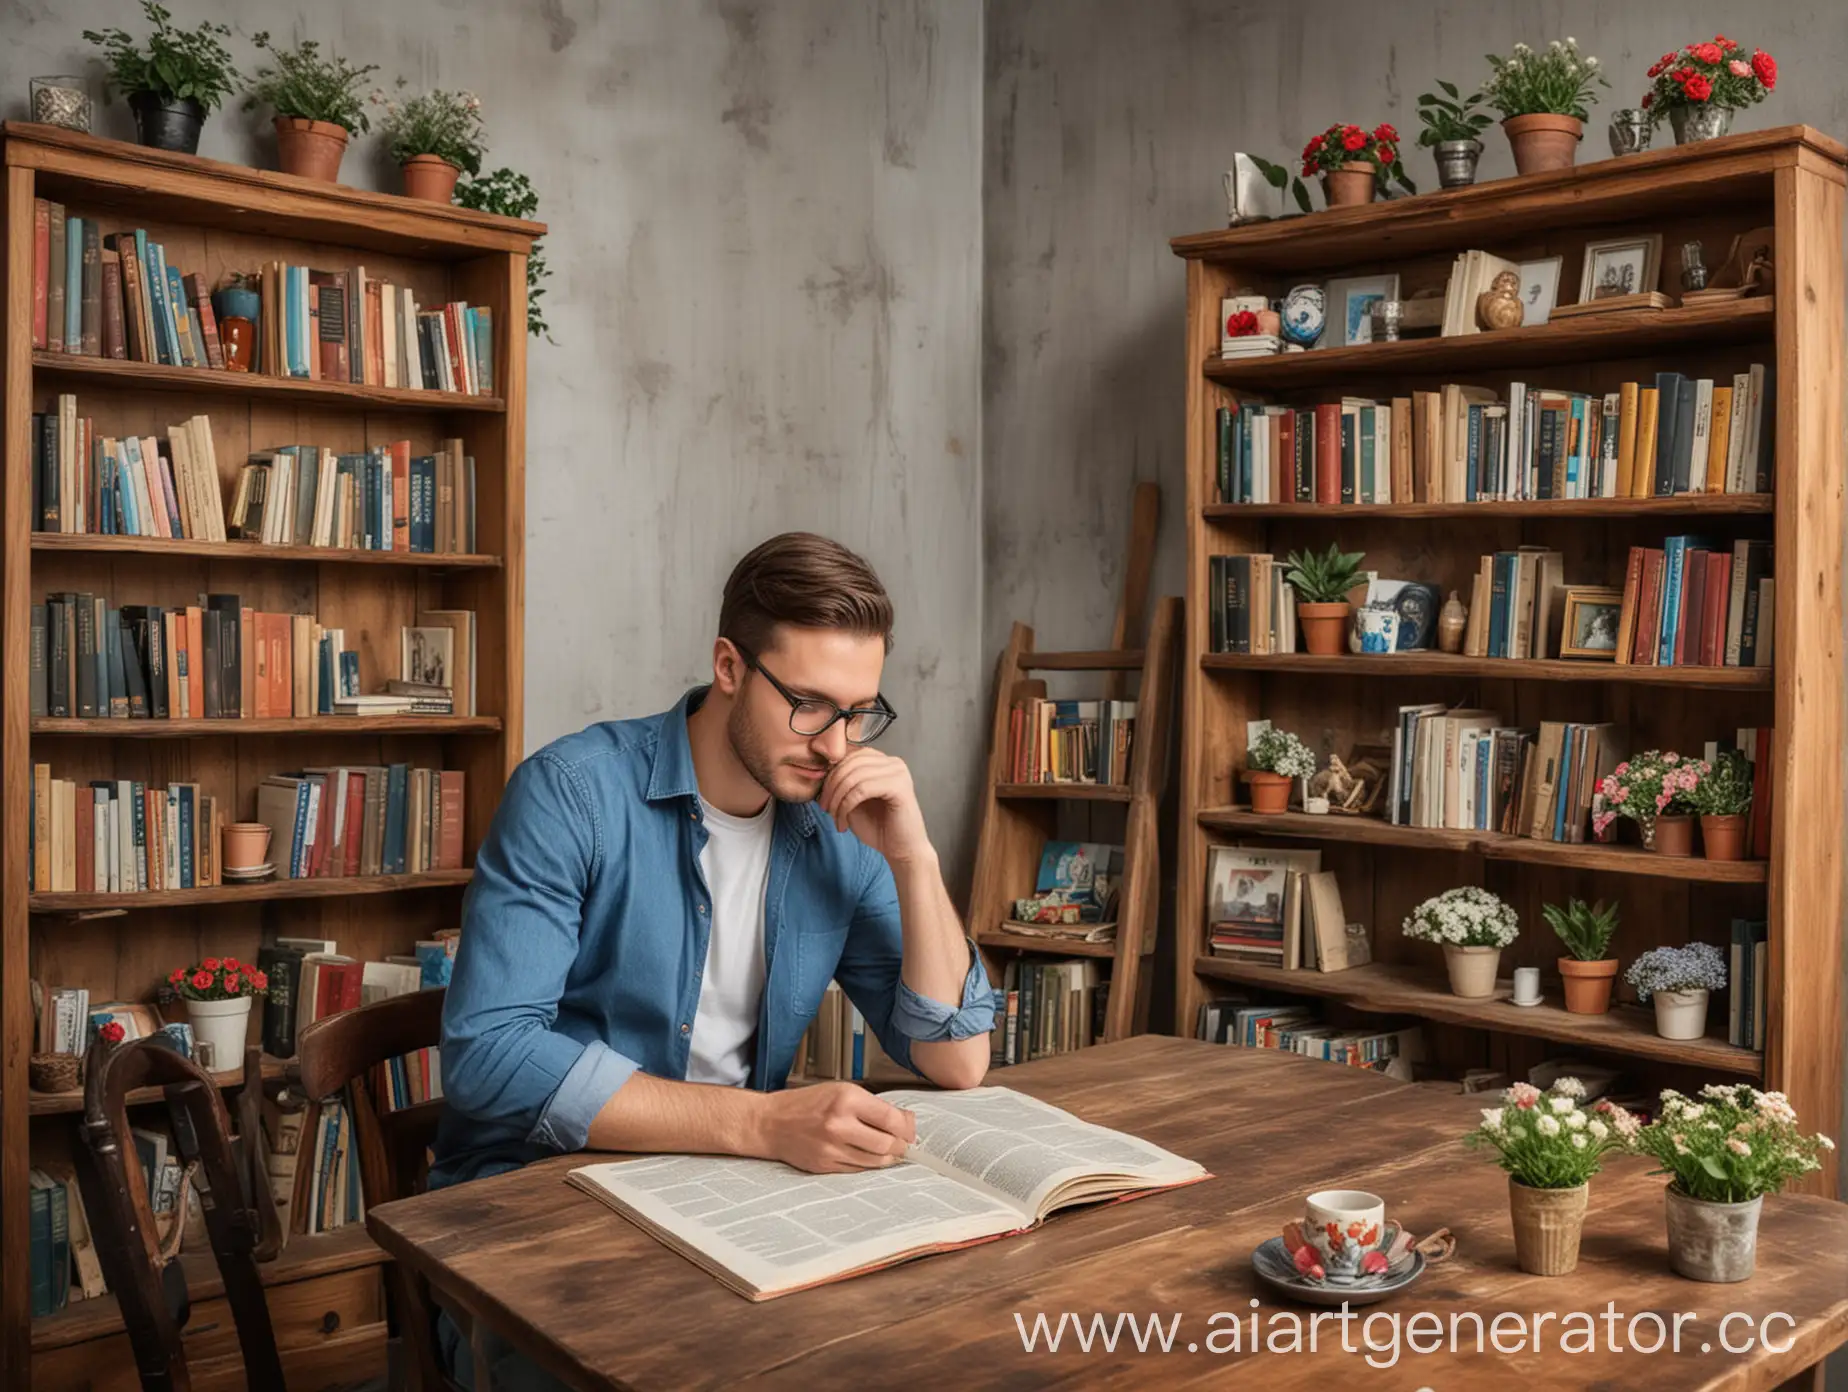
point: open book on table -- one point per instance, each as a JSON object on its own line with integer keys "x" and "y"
{"x": 988, "y": 1162}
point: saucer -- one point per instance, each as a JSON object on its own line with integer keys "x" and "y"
{"x": 1527, "y": 1005}
{"x": 1272, "y": 1263}
{"x": 248, "y": 872}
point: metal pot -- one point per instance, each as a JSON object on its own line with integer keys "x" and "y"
{"x": 1712, "y": 1241}
{"x": 1456, "y": 162}
{"x": 1630, "y": 130}
{"x": 167, "y": 124}
{"x": 1703, "y": 122}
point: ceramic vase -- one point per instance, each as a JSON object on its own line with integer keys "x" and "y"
{"x": 1472, "y": 970}
{"x": 1452, "y": 623}
{"x": 1456, "y": 162}
{"x": 1543, "y": 140}
{"x": 1723, "y": 838}
{"x": 1350, "y": 185}
{"x": 430, "y": 178}
{"x": 1701, "y": 122}
{"x": 1681, "y": 1014}
{"x": 1270, "y": 792}
{"x": 1673, "y": 835}
{"x": 165, "y": 124}
{"x": 1547, "y": 1224}
{"x": 311, "y": 149}
{"x": 1712, "y": 1241}
{"x": 1324, "y": 627}
{"x": 225, "y": 1025}
{"x": 1588, "y": 984}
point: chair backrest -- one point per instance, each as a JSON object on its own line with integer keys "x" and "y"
{"x": 147, "y": 1282}
{"x": 340, "y": 1054}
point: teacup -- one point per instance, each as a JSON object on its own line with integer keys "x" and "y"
{"x": 1343, "y": 1225}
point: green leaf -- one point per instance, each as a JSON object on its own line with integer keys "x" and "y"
{"x": 1302, "y": 195}
{"x": 1712, "y": 1167}
{"x": 1449, "y": 87}
{"x": 1428, "y": 99}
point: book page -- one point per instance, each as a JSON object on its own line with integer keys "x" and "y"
{"x": 763, "y": 1226}
{"x": 1029, "y": 1152}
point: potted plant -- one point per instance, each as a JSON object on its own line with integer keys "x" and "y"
{"x": 218, "y": 992}
{"x": 181, "y": 78}
{"x": 1322, "y": 583}
{"x": 1721, "y": 797}
{"x": 1355, "y": 163}
{"x": 1723, "y": 1154}
{"x": 436, "y": 138}
{"x": 317, "y": 106}
{"x": 510, "y": 193}
{"x": 1696, "y": 89}
{"x": 1587, "y": 969}
{"x": 1275, "y": 759}
{"x": 1550, "y": 1146}
{"x": 1542, "y": 98}
{"x": 1473, "y": 926}
{"x": 1655, "y": 790}
{"x": 1680, "y": 979}
{"x": 1453, "y": 130}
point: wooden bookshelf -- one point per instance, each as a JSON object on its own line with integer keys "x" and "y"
{"x": 1790, "y": 179}
{"x": 215, "y": 217}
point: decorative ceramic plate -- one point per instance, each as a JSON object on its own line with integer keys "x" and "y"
{"x": 1272, "y": 1263}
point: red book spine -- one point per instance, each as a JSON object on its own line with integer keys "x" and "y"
{"x": 355, "y": 823}
{"x": 1713, "y": 622}
{"x": 1328, "y": 453}
{"x": 1632, "y": 597}
{"x": 1649, "y": 612}
{"x": 41, "y": 269}
{"x": 1693, "y": 605}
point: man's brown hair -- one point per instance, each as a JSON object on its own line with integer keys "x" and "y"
{"x": 806, "y": 580}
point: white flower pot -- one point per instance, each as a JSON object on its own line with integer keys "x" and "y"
{"x": 1472, "y": 970}
{"x": 1681, "y": 1014}
{"x": 225, "y": 1025}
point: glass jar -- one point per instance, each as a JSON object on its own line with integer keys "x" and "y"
{"x": 62, "y": 101}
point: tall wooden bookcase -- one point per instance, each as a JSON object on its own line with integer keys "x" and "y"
{"x": 215, "y": 217}
{"x": 1790, "y": 179}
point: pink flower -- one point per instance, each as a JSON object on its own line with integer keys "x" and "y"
{"x": 1739, "y": 68}
{"x": 1671, "y": 759}
{"x": 1524, "y": 1095}
{"x": 1602, "y": 822}
{"x": 1622, "y": 769}
{"x": 1662, "y": 800}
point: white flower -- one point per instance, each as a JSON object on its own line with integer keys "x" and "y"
{"x": 1824, "y": 1141}
{"x": 1578, "y": 1142}
{"x": 1591, "y": 62}
{"x": 1569, "y": 1087}
{"x": 1548, "y": 1126}
{"x": 1571, "y": 42}
{"x": 1491, "y": 1118}
{"x": 1555, "y": 45}
{"x": 1575, "y": 1122}
{"x": 1562, "y": 1105}
{"x": 1738, "y": 1147}
{"x": 1522, "y": 48}
{"x": 1598, "y": 1130}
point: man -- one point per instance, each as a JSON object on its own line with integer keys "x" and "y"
{"x": 660, "y": 904}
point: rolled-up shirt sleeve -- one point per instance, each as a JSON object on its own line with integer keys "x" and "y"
{"x": 503, "y": 1057}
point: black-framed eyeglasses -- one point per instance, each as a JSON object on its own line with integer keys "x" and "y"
{"x": 811, "y": 715}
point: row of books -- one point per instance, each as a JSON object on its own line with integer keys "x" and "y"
{"x": 120, "y": 836}
{"x": 1053, "y": 1007}
{"x": 1238, "y": 1020}
{"x": 361, "y": 820}
{"x": 1692, "y": 601}
{"x": 310, "y": 979}
{"x": 1464, "y": 770}
{"x": 1467, "y": 444}
{"x": 1748, "y": 975}
{"x": 219, "y": 660}
{"x": 116, "y": 295}
{"x": 837, "y": 1045}
{"x": 1279, "y": 908}
{"x": 87, "y": 482}
{"x": 1070, "y": 741}
{"x": 1251, "y": 607}
{"x": 381, "y": 499}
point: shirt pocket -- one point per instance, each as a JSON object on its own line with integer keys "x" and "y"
{"x": 818, "y": 953}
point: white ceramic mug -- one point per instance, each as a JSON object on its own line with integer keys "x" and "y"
{"x": 1527, "y": 985}
{"x": 1343, "y": 1225}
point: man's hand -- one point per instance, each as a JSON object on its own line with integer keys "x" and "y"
{"x": 834, "y": 1128}
{"x": 871, "y": 794}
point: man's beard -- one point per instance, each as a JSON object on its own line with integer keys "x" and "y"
{"x": 748, "y": 745}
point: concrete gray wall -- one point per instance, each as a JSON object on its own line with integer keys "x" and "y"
{"x": 767, "y": 267}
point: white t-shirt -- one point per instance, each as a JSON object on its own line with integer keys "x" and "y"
{"x": 736, "y": 863}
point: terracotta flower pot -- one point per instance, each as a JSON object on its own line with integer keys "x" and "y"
{"x": 245, "y": 845}
{"x": 1270, "y": 792}
{"x": 1674, "y": 835}
{"x": 1681, "y": 1014}
{"x": 1350, "y": 185}
{"x": 1324, "y": 627}
{"x": 312, "y": 149}
{"x": 1712, "y": 1241}
{"x": 1588, "y": 984}
{"x": 1547, "y": 1224}
{"x": 430, "y": 178}
{"x": 1472, "y": 970}
{"x": 1543, "y": 141}
{"x": 1723, "y": 838}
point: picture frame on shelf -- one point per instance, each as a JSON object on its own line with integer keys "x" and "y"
{"x": 1539, "y": 289}
{"x": 1620, "y": 266}
{"x": 1589, "y": 624}
{"x": 1350, "y": 308}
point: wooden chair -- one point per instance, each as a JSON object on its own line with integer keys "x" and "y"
{"x": 339, "y": 1054}
{"x": 145, "y": 1276}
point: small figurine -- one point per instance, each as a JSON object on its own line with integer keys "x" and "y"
{"x": 1451, "y": 624}
{"x": 1499, "y": 307}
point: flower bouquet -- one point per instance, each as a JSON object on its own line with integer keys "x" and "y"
{"x": 1679, "y": 979}
{"x": 1696, "y": 89}
{"x": 1656, "y": 791}
{"x": 218, "y": 992}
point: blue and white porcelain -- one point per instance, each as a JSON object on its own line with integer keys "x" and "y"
{"x": 1305, "y": 315}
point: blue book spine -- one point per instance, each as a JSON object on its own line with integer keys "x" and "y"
{"x": 395, "y": 786}
{"x": 155, "y": 278}
{"x": 1561, "y": 781}
{"x": 1498, "y": 607}
{"x": 301, "y": 829}
{"x": 1674, "y": 549}
{"x": 73, "y": 284}
{"x": 188, "y": 875}
{"x": 484, "y": 346}
{"x": 139, "y": 792}
{"x": 176, "y": 300}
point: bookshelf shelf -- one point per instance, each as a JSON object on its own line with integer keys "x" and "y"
{"x": 55, "y": 1103}
{"x": 1371, "y": 831}
{"x": 1391, "y": 989}
{"x": 111, "y": 374}
{"x": 211, "y": 218}
{"x": 1681, "y": 505}
{"x": 1034, "y": 942}
{"x": 89, "y": 542}
{"x": 1437, "y": 664}
{"x": 1066, "y": 792}
{"x": 329, "y": 887}
{"x": 1103, "y": 660}
{"x": 1788, "y": 716}
{"x": 304, "y": 725}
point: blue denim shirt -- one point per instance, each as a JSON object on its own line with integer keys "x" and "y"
{"x": 584, "y": 939}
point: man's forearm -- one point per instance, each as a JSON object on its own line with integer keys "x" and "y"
{"x": 936, "y": 963}
{"x": 655, "y": 1115}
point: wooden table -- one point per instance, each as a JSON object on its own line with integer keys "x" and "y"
{"x": 604, "y": 1306}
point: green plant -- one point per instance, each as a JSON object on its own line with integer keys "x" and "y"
{"x": 1733, "y": 1146}
{"x": 1279, "y": 178}
{"x": 179, "y": 64}
{"x": 1709, "y": 74}
{"x": 218, "y": 978}
{"x": 1279, "y": 751}
{"x": 1450, "y": 117}
{"x": 510, "y": 193}
{"x": 1324, "y": 578}
{"x": 1546, "y": 1140}
{"x": 1350, "y": 144}
{"x": 444, "y": 124}
{"x": 1585, "y": 931}
{"x": 1726, "y": 790}
{"x": 1554, "y": 80}
{"x": 305, "y": 85}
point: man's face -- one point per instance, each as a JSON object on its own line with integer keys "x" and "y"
{"x": 823, "y": 663}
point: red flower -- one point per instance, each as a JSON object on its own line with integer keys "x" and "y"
{"x": 1384, "y": 133}
{"x": 1355, "y": 139}
{"x": 1655, "y": 70}
{"x": 260, "y": 980}
{"x": 1766, "y": 67}
{"x": 1308, "y": 168}
{"x": 177, "y": 975}
{"x": 1240, "y": 323}
{"x": 110, "y": 1033}
{"x": 231, "y": 983}
{"x": 1697, "y": 88}
{"x": 1351, "y": 129}
{"x": 230, "y": 964}
{"x": 1667, "y": 58}
{"x": 209, "y": 964}
{"x": 1648, "y": 97}
{"x": 1684, "y": 75}
{"x": 1315, "y": 143}
{"x": 1724, "y": 42}
{"x": 1387, "y": 154}
{"x": 1707, "y": 53}
{"x": 201, "y": 980}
